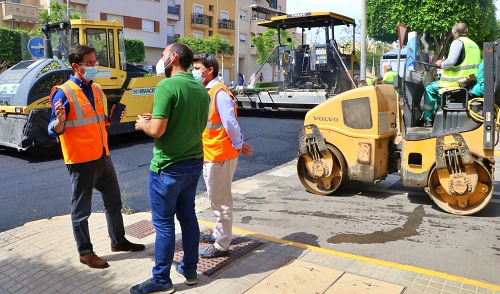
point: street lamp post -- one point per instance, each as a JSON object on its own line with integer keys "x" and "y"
{"x": 67, "y": 10}
{"x": 238, "y": 43}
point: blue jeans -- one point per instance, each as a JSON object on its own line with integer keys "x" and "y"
{"x": 172, "y": 192}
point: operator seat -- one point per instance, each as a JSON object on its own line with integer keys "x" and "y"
{"x": 452, "y": 115}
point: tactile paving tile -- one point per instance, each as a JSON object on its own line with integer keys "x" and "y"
{"x": 208, "y": 266}
{"x": 140, "y": 229}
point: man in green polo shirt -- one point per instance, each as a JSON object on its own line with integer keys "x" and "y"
{"x": 180, "y": 114}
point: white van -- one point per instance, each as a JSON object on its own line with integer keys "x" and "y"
{"x": 391, "y": 57}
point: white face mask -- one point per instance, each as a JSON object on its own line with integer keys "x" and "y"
{"x": 160, "y": 67}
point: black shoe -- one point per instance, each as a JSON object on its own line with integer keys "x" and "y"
{"x": 127, "y": 246}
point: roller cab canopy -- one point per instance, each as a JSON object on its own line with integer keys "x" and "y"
{"x": 307, "y": 20}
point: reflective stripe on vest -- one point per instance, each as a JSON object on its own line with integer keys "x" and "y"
{"x": 80, "y": 121}
{"x": 216, "y": 143}
{"x": 451, "y": 76}
{"x": 85, "y": 135}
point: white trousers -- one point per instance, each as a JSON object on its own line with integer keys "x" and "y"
{"x": 218, "y": 177}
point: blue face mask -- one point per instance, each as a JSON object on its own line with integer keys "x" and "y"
{"x": 90, "y": 73}
{"x": 197, "y": 74}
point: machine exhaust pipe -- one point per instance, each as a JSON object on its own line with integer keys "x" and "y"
{"x": 47, "y": 45}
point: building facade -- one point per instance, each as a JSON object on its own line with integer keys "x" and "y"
{"x": 159, "y": 22}
{"x": 21, "y": 14}
{"x": 206, "y": 18}
{"x": 250, "y": 13}
{"x": 155, "y": 22}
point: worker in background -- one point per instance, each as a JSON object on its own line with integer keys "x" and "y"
{"x": 356, "y": 79}
{"x": 362, "y": 83}
{"x": 222, "y": 144}
{"x": 79, "y": 120}
{"x": 463, "y": 60}
{"x": 177, "y": 123}
{"x": 251, "y": 84}
{"x": 289, "y": 43}
{"x": 371, "y": 81}
{"x": 389, "y": 76}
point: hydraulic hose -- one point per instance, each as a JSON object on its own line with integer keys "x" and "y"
{"x": 480, "y": 118}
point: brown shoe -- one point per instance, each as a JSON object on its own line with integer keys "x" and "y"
{"x": 93, "y": 261}
{"x": 127, "y": 246}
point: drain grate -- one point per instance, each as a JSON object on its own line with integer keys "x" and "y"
{"x": 140, "y": 229}
{"x": 208, "y": 266}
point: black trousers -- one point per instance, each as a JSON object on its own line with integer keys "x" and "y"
{"x": 99, "y": 174}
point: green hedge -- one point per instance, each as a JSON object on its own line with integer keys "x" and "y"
{"x": 11, "y": 51}
{"x": 134, "y": 50}
{"x": 267, "y": 85}
{"x": 14, "y": 47}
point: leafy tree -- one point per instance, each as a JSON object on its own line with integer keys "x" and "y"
{"x": 498, "y": 30}
{"x": 57, "y": 13}
{"x": 265, "y": 43}
{"x": 134, "y": 50}
{"x": 213, "y": 45}
{"x": 433, "y": 17}
{"x": 10, "y": 51}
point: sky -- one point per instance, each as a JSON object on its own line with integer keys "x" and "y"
{"x": 350, "y": 8}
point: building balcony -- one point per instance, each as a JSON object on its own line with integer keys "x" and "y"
{"x": 253, "y": 50}
{"x": 226, "y": 25}
{"x": 174, "y": 12}
{"x": 201, "y": 21}
{"x": 83, "y": 2}
{"x": 20, "y": 12}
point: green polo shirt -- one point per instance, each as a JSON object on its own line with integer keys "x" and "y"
{"x": 184, "y": 102}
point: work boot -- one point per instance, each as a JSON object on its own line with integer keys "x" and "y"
{"x": 93, "y": 261}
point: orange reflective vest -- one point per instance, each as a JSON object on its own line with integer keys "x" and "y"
{"x": 85, "y": 133}
{"x": 216, "y": 144}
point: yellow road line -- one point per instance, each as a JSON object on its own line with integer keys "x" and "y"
{"x": 497, "y": 152}
{"x": 365, "y": 259}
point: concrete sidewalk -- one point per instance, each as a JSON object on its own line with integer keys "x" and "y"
{"x": 40, "y": 257}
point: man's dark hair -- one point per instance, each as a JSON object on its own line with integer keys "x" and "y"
{"x": 185, "y": 54}
{"x": 208, "y": 60}
{"x": 77, "y": 52}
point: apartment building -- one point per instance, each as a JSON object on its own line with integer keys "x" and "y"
{"x": 156, "y": 22}
{"x": 250, "y": 13}
{"x": 21, "y": 14}
{"x": 159, "y": 22}
{"x": 206, "y": 18}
